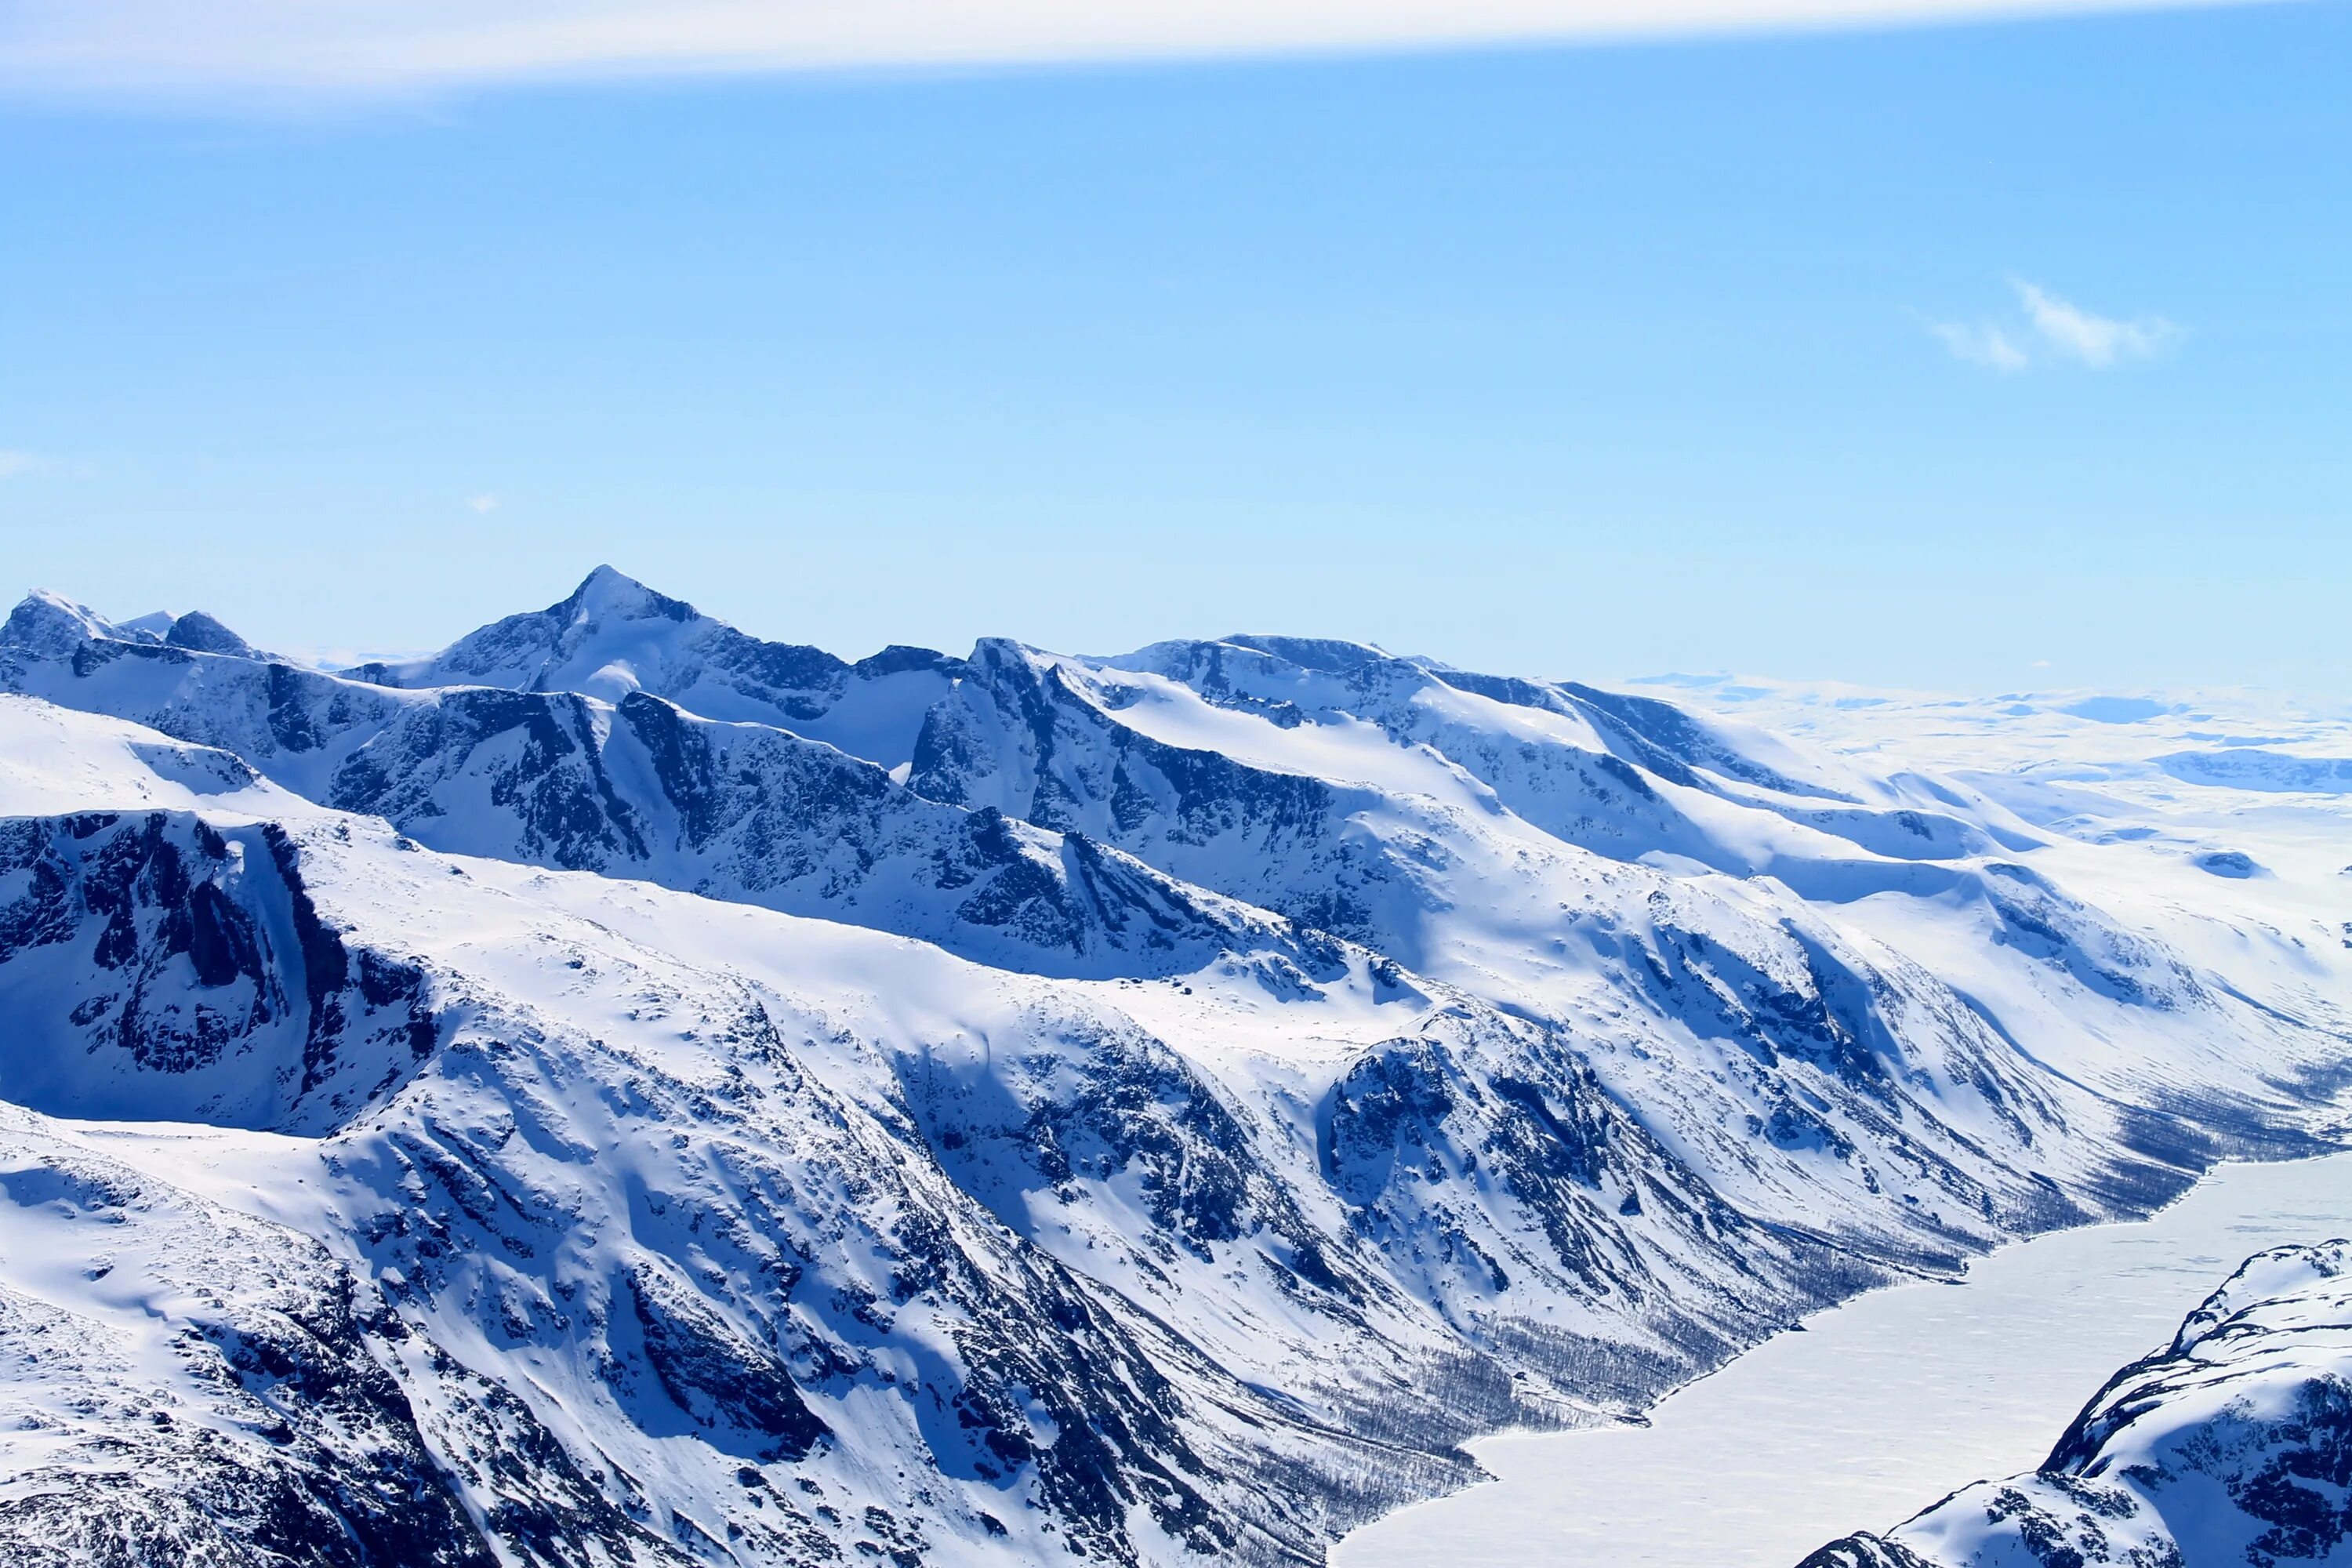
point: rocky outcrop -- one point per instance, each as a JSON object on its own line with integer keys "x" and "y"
{"x": 153, "y": 964}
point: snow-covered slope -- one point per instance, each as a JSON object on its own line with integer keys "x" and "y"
{"x": 813, "y": 1198}
{"x": 760, "y": 1108}
{"x": 1859, "y": 961}
{"x": 2232, "y": 1447}
{"x": 636, "y": 1220}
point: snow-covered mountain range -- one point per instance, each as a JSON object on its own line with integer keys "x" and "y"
{"x": 619, "y": 1090}
{"x": 2231, "y": 1447}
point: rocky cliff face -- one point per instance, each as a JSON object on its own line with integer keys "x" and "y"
{"x": 153, "y": 966}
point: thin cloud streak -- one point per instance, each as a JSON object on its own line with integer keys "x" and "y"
{"x": 2095, "y": 340}
{"x": 1983, "y": 344}
{"x": 2053, "y": 330}
{"x": 17, "y": 464}
{"x": 52, "y": 46}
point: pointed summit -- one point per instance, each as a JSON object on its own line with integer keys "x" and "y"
{"x": 201, "y": 633}
{"x": 612, "y": 637}
{"x": 607, "y": 593}
{"x": 610, "y": 615}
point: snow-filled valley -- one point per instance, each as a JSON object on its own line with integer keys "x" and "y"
{"x": 2230, "y": 1441}
{"x": 1883, "y": 1406}
{"x": 620, "y": 1090}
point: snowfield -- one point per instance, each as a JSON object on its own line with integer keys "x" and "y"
{"x": 623, "y": 1091}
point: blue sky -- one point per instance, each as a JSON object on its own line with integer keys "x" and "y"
{"x": 1991, "y": 356}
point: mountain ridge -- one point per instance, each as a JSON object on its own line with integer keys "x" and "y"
{"x": 1379, "y": 1052}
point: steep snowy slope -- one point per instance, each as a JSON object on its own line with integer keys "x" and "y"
{"x": 185, "y": 1383}
{"x": 956, "y": 1245}
{"x": 212, "y": 990}
{"x": 2230, "y": 1448}
{"x": 619, "y": 1248}
{"x": 1859, "y": 973}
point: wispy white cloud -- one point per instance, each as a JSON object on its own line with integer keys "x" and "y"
{"x": 2096, "y": 340}
{"x": 484, "y": 503}
{"x": 17, "y": 464}
{"x": 2053, "y": 330}
{"x": 1981, "y": 343}
{"x": 131, "y": 44}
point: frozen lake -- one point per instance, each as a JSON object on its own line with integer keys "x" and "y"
{"x": 1883, "y": 1406}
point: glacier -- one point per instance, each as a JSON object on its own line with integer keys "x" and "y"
{"x": 670, "y": 1097}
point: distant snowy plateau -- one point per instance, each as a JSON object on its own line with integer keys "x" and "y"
{"x": 621, "y": 1091}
